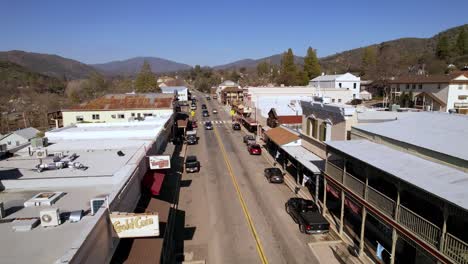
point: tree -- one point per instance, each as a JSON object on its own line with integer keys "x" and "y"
{"x": 234, "y": 76}
{"x": 146, "y": 80}
{"x": 302, "y": 78}
{"x": 288, "y": 74}
{"x": 263, "y": 69}
{"x": 311, "y": 64}
{"x": 443, "y": 48}
{"x": 462, "y": 43}
{"x": 369, "y": 61}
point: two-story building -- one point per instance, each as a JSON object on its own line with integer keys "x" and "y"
{"x": 114, "y": 108}
{"x": 435, "y": 92}
{"x": 345, "y": 81}
{"x": 401, "y": 186}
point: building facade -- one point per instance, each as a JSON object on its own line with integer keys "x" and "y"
{"x": 434, "y": 93}
{"x": 119, "y": 108}
{"x": 180, "y": 91}
{"x": 18, "y": 138}
{"x": 345, "y": 81}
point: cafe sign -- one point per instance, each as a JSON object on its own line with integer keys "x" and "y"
{"x": 160, "y": 162}
{"x": 135, "y": 225}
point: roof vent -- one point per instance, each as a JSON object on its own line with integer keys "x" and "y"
{"x": 44, "y": 199}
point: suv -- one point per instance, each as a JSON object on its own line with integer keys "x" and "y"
{"x": 306, "y": 214}
{"x": 274, "y": 175}
{"x": 192, "y": 164}
{"x": 236, "y": 126}
{"x": 205, "y": 113}
{"x": 203, "y": 106}
{"x": 208, "y": 125}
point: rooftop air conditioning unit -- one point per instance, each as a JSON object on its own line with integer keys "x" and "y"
{"x": 58, "y": 154}
{"x": 50, "y": 217}
{"x": 41, "y": 153}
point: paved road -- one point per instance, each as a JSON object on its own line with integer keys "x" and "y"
{"x": 220, "y": 229}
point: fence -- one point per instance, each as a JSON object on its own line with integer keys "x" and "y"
{"x": 455, "y": 249}
{"x": 425, "y": 229}
{"x": 381, "y": 201}
{"x": 335, "y": 172}
{"x": 357, "y": 186}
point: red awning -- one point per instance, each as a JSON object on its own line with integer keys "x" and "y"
{"x": 250, "y": 121}
{"x": 153, "y": 181}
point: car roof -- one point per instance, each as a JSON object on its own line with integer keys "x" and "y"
{"x": 255, "y": 145}
{"x": 191, "y": 158}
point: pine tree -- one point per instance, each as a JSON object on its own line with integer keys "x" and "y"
{"x": 302, "y": 78}
{"x": 369, "y": 61}
{"x": 146, "y": 80}
{"x": 462, "y": 43}
{"x": 288, "y": 73}
{"x": 263, "y": 69}
{"x": 443, "y": 48}
{"x": 311, "y": 64}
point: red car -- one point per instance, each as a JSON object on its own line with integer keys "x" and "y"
{"x": 194, "y": 124}
{"x": 254, "y": 149}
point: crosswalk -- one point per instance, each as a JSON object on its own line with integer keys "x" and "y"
{"x": 220, "y": 122}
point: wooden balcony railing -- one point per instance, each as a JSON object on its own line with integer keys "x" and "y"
{"x": 422, "y": 227}
{"x": 455, "y": 249}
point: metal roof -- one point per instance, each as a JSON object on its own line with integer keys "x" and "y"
{"x": 308, "y": 159}
{"x": 440, "y": 132}
{"x": 324, "y": 78}
{"x": 125, "y": 101}
{"x": 26, "y": 133}
{"x": 445, "y": 182}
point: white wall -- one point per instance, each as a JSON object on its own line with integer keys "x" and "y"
{"x": 182, "y": 94}
{"x": 14, "y": 141}
{"x": 69, "y": 117}
{"x": 453, "y": 94}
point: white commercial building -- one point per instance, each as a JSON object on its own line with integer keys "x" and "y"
{"x": 345, "y": 81}
{"x": 117, "y": 108}
{"x": 115, "y": 158}
{"x": 180, "y": 91}
{"x": 18, "y": 138}
{"x": 223, "y": 85}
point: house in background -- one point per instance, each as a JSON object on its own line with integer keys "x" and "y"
{"x": 434, "y": 93}
{"x": 232, "y": 95}
{"x": 18, "y": 138}
{"x": 113, "y": 108}
{"x": 345, "y": 81}
{"x": 180, "y": 91}
{"x": 223, "y": 86}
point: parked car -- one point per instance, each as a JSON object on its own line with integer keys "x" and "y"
{"x": 254, "y": 149}
{"x": 248, "y": 137}
{"x": 191, "y": 137}
{"x": 194, "y": 124}
{"x": 215, "y": 111}
{"x": 208, "y": 98}
{"x": 306, "y": 214}
{"x": 192, "y": 164}
{"x": 193, "y": 107}
{"x": 236, "y": 126}
{"x": 205, "y": 113}
{"x": 208, "y": 125}
{"x": 203, "y": 106}
{"x": 274, "y": 175}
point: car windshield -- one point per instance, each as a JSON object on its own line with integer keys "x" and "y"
{"x": 191, "y": 159}
{"x": 208, "y": 123}
{"x": 275, "y": 171}
{"x": 256, "y": 146}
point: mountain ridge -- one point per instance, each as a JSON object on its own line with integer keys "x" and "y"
{"x": 133, "y": 65}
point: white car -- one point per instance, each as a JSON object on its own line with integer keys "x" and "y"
{"x": 215, "y": 111}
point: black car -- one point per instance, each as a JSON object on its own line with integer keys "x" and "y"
{"x": 192, "y": 164}
{"x": 274, "y": 175}
{"x": 203, "y": 106}
{"x": 248, "y": 138}
{"x": 205, "y": 113}
{"x": 192, "y": 139}
{"x": 236, "y": 126}
{"x": 208, "y": 125}
{"x": 306, "y": 214}
{"x": 208, "y": 98}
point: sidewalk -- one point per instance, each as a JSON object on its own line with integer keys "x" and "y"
{"x": 327, "y": 248}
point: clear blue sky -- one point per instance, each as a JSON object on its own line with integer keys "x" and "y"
{"x": 216, "y": 31}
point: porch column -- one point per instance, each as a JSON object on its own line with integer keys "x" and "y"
{"x": 342, "y": 212}
{"x": 363, "y": 226}
{"x": 324, "y": 195}
{"x": 444, "y": 228}
{"x": 363, "y": 219}
{"x": 317, "y": 182}
{"x": 394, "y": 232}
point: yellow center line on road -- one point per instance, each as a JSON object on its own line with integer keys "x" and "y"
{"x": 241, "y": 200}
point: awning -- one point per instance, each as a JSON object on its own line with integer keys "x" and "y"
{"x": 250, "y": 121}
{"x": 281, "y": 136}
{"x": 182, "y": 123}
{"x": 306, "y": 158}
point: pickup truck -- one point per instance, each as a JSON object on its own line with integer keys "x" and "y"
{"x": 191, "y": 137}
{"x": 306, "y": 214}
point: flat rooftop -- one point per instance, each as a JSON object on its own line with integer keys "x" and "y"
{"x": 108, "y": 173}
{"x": 441, "y": 132}
{"x": 445, "y": 182}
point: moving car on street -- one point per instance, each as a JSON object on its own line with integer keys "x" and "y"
{"x": 274, "y": 175}
{"x": 208, "y": 125}
{"x": 192, "y": 164}
{"x": 306, "y": 214}
{"x": 247, "y": 138}
{"x": 254, "y": 149}
{"x": 215, "y": 111}
{"x": 205, "y": 113}
{"x": 236, "y": 126}
{"x": 203, "y": 106}
{"x": 193, "y": 107}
